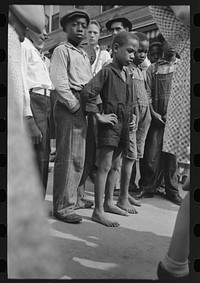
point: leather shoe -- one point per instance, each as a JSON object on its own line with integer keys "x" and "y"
{"x": 162, "y": 273}
{"x": 144, "y": 194}
{"x": 176, "y": 198}
{"x": 71, "y": 218}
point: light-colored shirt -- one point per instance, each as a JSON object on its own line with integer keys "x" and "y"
{"x": 34, "y": 72}
{"x": 102, "y": 56}
{"x": 70, "y": 70}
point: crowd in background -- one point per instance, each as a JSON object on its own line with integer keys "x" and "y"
{"x": 106, "y": 110}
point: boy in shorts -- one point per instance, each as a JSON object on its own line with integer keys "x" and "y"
{"x": 114, "y": 84}
{"x": 142, "y": 112}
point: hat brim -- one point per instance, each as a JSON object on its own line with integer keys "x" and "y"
{"x": 69, "y": 17}
{"x": 126, "y": 22}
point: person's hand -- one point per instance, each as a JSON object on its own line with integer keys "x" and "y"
{"x": 133, "y": 123}
{"x": 157, "y": 118}
{"x": 107, "y": 118}
{"x": 35, "y": 132}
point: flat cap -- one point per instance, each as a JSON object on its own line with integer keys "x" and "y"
{"x": 74, "y": 13}
{"x": 118, "y": 18}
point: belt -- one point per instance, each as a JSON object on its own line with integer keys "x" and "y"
{"x": 41, "y": 91}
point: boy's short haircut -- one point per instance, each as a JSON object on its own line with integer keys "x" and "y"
{"x": 156, "y": 43}
{"x": 94, "y": 22}
{"x": 142, "y": 36}
{"x": 122, "y": 37}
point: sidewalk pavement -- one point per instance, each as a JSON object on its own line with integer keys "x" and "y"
{"x": 131, "y": 251}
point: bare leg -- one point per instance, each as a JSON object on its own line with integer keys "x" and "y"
{"x": 123, "y": 200}
{"x": 109, "y": 205}
{"x": 105, "y": 162}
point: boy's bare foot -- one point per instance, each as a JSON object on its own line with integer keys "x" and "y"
{"x": 133, "y": 201}
{"x": 103, "y": 219}
{"x": 125, "y": 205}
{"x": 112, "y": 208}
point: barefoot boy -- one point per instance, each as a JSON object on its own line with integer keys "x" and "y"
{"x": 142, "y": 111}
{"x": 115, "y": 87}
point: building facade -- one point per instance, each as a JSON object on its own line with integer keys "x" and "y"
{"x": 139, "y": 16}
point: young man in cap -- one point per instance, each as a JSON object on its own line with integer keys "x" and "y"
{"x": 70, "y": 72}
{"x": 117, "y": 24}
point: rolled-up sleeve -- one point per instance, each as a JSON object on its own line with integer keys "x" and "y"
{"x": 92, "y": 89}
{"x": 60, "y": 79}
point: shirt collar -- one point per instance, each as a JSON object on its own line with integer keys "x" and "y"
{"x": 162, "y": 62}
{"x": 69, "y": 45}
{"x": 97, "y": 47}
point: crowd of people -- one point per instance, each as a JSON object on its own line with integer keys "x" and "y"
{"x": 111, "y": 110}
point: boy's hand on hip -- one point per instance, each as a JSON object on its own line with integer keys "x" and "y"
{"x": 107, "y": 118}
{"x": 35, "y": 132}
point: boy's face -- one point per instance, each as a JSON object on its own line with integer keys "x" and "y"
{"x": 125, "y": 53}
{"x": 76, "y": 29}
{"x": 141, "y": 54}
{"x": 37, "y": 39}
{"x": 168, "y": 50}
{"x": 116, "y": 27}
{"x": 93, "y": 34}
{"x": 155, "y": 53}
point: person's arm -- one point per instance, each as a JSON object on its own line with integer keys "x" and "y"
{"x": 32, "y": 16}
{"x": 33, "y": 129}
{"x": 182, "y": 13}
{"x": 60, "y": 79}
{"x": 24, "y": 63}
{"x": 89, "y": 95}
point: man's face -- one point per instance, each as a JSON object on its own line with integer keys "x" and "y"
{"x": 125, "y": 53}
{"x": 116, "y": 27}
{"x": 93, "y": 34}
{"x": 76, "y": 29}
{"x": 155, "y": 53}
{"x": 141, "y": 54}
{"x": 37, "y": 39}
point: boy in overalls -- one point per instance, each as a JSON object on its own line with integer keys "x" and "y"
{"x": 155, "y": 163}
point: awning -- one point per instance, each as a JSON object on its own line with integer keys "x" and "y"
{"x": 152, "y": 33}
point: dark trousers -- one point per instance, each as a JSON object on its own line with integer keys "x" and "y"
{"x": 157, "y": 164}
{"x": 53, "y": 98}
{"x": 41, "y": 108}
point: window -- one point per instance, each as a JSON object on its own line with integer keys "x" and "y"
{"x": 106, "y": 8}
{"x": 55, "y": 22}
{"x": 47, "y": 23}
{"x": 81, "y": 7}
{"x": 52, "y": 12}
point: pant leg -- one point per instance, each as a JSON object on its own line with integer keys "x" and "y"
{"x": 143, "y": 128}
{"x": 71, "y": 132}
{"x": 151, "y": 163}
{"x": 170, "y": 176}
{"x": 41, "y": 108}
{"x": 53, "y": 97}
{"x": 89, "y": 151}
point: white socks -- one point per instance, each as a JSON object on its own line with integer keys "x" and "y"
{"x": 177, "y": 269}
